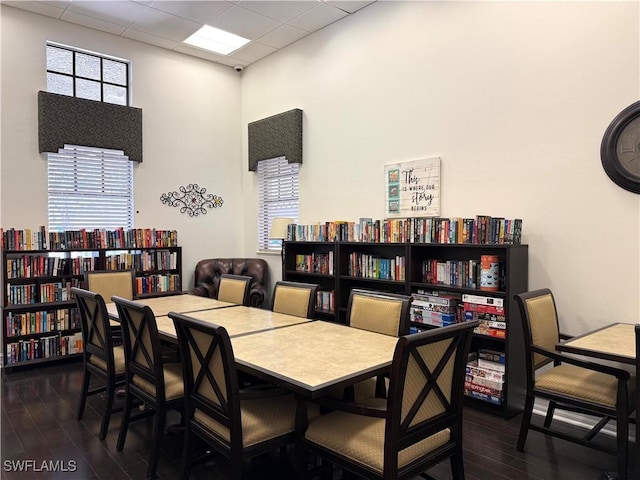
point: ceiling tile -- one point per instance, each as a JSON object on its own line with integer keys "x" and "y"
{"x": 148, "y": 38}
{"x": 319, "y": 16}
{"x": 283, "y": 11}
{"x": 244, "y": 22}
{"x": 282, "y": 36}
{"x": 201, "y": 12}
{"x": 252, "y": 52}
{"x": 164, "y": 25}
{"x": 92, "y": 22}
{"x": 118, "y": 12}
{"x": 39, "y": 7}
{"x": 350, "y": 6}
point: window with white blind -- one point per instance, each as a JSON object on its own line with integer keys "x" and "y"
{"x": 278, "y": 189}
{"x": 89, "y": 188}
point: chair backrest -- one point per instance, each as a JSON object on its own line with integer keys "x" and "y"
{"x": 142, "y": 351}
{"x": 539, "y": 325}
{"x": 210, "y": 377}
{"x": 379, "y": 312}
{"x": 234, "y": 289}
{"x": 426, "y": 388}
{"x": 96, "y": 331}
{"x": 295, "y": 298}
{"x": 111, "y": 282}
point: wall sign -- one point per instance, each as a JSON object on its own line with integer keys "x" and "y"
{"x": 412, "y": 189}
{"x": 192, "y": 200}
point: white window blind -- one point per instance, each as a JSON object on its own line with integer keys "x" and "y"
{"x": 278, "y": 189}
{"x": 89, "y": 188}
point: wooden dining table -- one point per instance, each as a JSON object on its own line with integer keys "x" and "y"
{"x": 185, "y": 303}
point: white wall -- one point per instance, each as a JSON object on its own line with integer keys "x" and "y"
{"x": 513, "y": 96}
{"x": 191, "y": 133}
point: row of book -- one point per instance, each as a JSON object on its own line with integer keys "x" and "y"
{"x": 158, "y": 284}
{"x": 482, "y": 229}
{"x": 142, "y": 261}
{"x": 364, "y": 265}
{"x": 315, "y": 263}
{"x": 18, "y": 324}
{"x": 44, "y": 347}
{"x": 33, "y": 266}
{"x": 27, "y": 239}
{"x": 485, "y": 376}
{"x": 458, "y": 273}
{"x": 29, "y": 294}
{"x": 325, "y": 301}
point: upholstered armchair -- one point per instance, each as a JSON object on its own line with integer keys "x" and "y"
{"x": 208, "y": 272}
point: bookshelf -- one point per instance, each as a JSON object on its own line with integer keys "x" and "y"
{"x": 398, "y": 268}
{"x": 39, "y": 316}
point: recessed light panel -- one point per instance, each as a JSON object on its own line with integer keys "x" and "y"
{"x": 216, "y": 40}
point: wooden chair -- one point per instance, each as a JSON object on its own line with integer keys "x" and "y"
{"x": 100, "y": 357}
{"x": 237, "y": 424}
{"x": 379, "y": 312}
{"x": 571, "y": 384}
{"x": 111, "y": 282}
{"x": 418, "y": 426}
{"x": 234, "y": 289}
{"x": 295, "y": 298}
{"x": 151, "y": 378}
{"x": 637, "y": 451}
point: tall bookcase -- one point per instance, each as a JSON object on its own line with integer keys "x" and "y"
{"x": 39, "y": 318}
{"x": 398, "y": 268}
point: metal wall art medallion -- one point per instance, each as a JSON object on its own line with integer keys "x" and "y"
{"x": 192, "y": 200}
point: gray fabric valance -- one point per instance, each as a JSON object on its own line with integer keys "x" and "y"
{"x": 77, "y": 121}
{"x": 276, "y": 136}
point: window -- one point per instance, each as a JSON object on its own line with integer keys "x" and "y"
{"x": 83, "y": 74}
{"x": 89, "y": 188}
{"x": 278, "y": 190}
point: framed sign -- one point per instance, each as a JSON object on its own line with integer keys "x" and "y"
{"x": 412, "y": 189}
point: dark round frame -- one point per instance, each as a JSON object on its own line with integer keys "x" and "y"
{"x": 608, "y": 154}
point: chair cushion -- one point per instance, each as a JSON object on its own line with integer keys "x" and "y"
{"x": 173, "y": 382}
{"x": 570, "y": 380}
{"x": 118, "y": 359}
{"x": 262, "y": 419}
{"x": 378, "y": 315}
{"x": 361, "y": 439}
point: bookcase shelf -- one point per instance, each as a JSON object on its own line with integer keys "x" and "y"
{"x": 39, "y": 318}
{"x": 359, "y": 264}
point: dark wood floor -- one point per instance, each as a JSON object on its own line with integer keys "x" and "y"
{"x": 39, "y": 423}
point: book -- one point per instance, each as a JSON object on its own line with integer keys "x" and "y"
{"x": 482, "y": 300}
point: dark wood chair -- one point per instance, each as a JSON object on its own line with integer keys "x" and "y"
{"x": 238, "y": 424}
{"x": 152, "y": 378}
{"x": 234, "y": 289}
{"x": 109, "y": 283}
{"x": 379, "y": 312}
{"x": 570, "y": 383}
{"x": 100, "y": 357}
{"x": 295, "y": 298}
{"x": 417, "y": 427}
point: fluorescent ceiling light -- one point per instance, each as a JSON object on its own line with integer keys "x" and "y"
{"x": 216, "y": 40}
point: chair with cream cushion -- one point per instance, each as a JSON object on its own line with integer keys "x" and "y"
{"x": 295, "y": 298}
{"x": 109, "y": 283}
{"x": 101, "y": 358}
{"x": 238, "y": 424}
{"x": 418, "y": 426}
{"x": 150, "y": 377}
{"x": 234, "y": 289}
{"x": 569, "y": 383}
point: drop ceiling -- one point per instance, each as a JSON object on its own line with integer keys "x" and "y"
{"x": 270, "y": 25}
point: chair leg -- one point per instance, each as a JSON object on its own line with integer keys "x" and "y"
{"x": 124, "y": 424}
{"x": 549, "y": 416}
{"x": 622, "y": 439}
{"x": 526, "y": 422}
{"x": 86, "y": 378}
{"x": 186, "y": 463}
{"x": 457, "y": 464}
{"x": 106, "y": 416}
{"x": 158, "y": 432}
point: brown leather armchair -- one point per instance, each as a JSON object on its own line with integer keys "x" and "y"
{"x": 208, "y": 271}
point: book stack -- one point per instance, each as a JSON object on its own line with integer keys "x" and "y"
{"x": 315, "y": 263}
{"x": 434, "y": 309}
{"x": 489, "y": 311}
{"x": 325, "y": 301}
{"x": 484, "y": 378}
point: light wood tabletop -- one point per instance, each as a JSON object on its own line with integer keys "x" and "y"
{"x": 615, "y": 342}
{"x": 174, "y": 303}
{"x": 237, "y": 321}
{"x": 312, "y": 358}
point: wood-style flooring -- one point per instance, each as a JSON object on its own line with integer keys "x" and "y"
{"x": 39, "y": 423}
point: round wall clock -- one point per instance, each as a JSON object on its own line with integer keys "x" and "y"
{"x": 620, "y": 149}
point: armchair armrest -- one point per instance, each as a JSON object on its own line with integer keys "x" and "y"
{"x": 597, "y": 367}
{"x": 203, "y": 290}
{"x": 257, "y": 295}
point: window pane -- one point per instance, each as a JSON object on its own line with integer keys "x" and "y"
{"x": 87, "y": 66}
{"x": 87, "y": 89}
{"x": 59, "y": 84}
{"x": 59, "y": 60}
{"x": 114, "y": 72}
{"x": 113, "y": 94}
